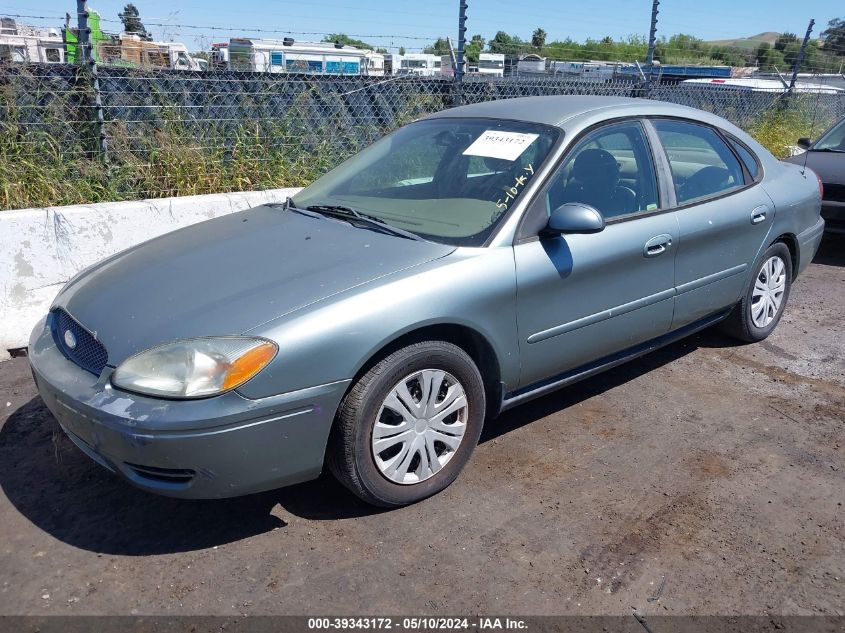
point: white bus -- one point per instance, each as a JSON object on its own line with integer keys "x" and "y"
{"x": 491, "y": 64}
{"x": 289, "y": 56}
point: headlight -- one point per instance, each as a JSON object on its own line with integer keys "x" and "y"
{"x": 195, "y": 368}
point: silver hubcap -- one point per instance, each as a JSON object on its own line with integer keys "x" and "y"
{"x": 419, "y": 426}
{"x": 767, "y": 295}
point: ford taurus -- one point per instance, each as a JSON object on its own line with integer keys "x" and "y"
{"x": 459, "y": 266}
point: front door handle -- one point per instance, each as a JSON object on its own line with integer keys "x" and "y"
{"x": 759, "y": 214}
{"x": 657, "y": 245}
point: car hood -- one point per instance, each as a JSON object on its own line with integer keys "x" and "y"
{"x": 830, "y": 166}
{"x": 228, "y": 275}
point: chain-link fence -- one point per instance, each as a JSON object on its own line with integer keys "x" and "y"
{"x": 161, "y": 133}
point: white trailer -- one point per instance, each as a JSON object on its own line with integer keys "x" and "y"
{"x": 21, "y": 43}
{"x": 375, "y": 64}
{"x": 761, "y": 85}
{"x": 492, "y": 64}
{"x": 531, "y": 64}
{"x": 422, "y": 64}
{"x": 587, "y": 71}
{"x": 289, "y": 56}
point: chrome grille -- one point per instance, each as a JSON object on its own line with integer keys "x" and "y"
{"x": 88, "y": 352}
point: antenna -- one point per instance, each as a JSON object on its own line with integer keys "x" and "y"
{"x": 795, "y": 69}
{"x": 812, "y": 128}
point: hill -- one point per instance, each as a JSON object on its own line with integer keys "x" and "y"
{"x": 748, "y": 43}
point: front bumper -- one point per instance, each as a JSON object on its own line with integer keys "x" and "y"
{"x": 224, "y": 446}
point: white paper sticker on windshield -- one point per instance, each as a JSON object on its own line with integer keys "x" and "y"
{"x": 496, "y": 144}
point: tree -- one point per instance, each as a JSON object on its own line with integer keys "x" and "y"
{"x": 538, "y": 38}
{"x": 343, "y": 38}
{"x": 790, "y": 53}
{"x": 784, "y": 39}
{"x": 474, "y": 48}
{"x": 132, "y": 22}
{"x": 440, "y": 47}
{"x": 834, "y": 36}
{"x": 401, "y": 50}
{"x": 504, "y": 43}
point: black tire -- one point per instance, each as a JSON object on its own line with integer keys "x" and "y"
{"x": 740, "y": 323}
{"x": 350, "y": 453}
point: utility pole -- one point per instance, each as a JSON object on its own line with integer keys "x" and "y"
{"x": 84, "y": 37}
{"x": 651, "y": 41}
{"x": 459, "y": 67}
{"x": 85, "y": 54}
{"x": 800, "y": 59}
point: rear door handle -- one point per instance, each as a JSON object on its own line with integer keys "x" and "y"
{"x": 657, "y": 245}
{"x": 759, "y": 214}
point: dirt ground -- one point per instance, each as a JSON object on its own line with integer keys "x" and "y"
{"x": 707, "y": 475}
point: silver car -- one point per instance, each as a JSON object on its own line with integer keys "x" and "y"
{"x": 456, "y": 268}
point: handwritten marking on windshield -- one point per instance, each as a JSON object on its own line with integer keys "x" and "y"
{"x": 512, "y": 192}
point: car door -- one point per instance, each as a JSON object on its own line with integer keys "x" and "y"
{"x": 724, "y": 217}
{"x": 581, "y": 297}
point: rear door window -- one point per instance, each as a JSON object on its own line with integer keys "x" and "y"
{"x": 702, "y": 164}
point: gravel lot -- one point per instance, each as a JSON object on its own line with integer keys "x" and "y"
{"x": 713, "y": 469}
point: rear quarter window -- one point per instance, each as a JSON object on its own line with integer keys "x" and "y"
{"x": 747, "y": 158}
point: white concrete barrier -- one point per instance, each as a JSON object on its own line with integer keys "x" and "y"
{"x": 40, "y": 249}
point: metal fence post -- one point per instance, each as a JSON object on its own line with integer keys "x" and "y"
{"x": 651, "y": 42}
{"x": 90, "y": 70}
{"x": 800, "y": 59}
{"x": 459, "y": 66}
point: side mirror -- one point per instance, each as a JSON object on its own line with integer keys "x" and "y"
{"x": 574, "y": 217}
{"x": 804, "y": 142}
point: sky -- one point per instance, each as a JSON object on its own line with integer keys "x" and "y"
{"x": 415, "y": 23}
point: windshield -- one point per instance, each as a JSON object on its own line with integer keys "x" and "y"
{"x": 446, "y": 180}
{"x": 834, "y": 139}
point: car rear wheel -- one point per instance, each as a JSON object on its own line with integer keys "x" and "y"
{"x": 759, "y": 311}
{"x": 408, "y": 426}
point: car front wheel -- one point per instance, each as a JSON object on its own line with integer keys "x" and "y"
{"x": 409, "y": 425}
{"x": 758, "y": 313}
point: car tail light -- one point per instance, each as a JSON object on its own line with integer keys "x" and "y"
{"x": 821, "y": 187}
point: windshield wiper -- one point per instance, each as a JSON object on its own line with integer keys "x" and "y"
{"x": 353, "y": 215}
{"x": 288, "y": 205}
{"x": 829, "y": 149}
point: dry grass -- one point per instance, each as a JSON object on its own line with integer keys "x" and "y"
{"x": 780, "y": 127}
{"x": 175, "y": 157}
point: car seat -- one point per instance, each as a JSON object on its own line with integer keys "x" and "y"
{"x": 594, "y": 180}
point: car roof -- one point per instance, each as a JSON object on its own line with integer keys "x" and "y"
{"x": 556, "y": 110}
